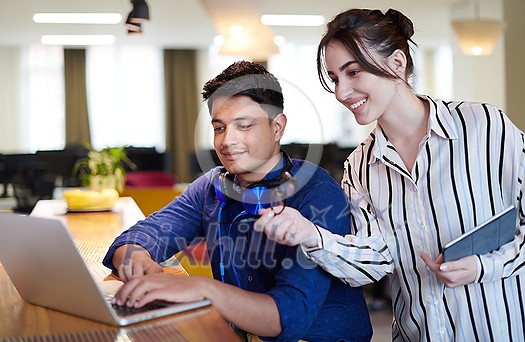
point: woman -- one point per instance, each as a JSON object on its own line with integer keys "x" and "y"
{"x": 430, "y": 171}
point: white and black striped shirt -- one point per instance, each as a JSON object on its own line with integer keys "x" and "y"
{"x": 470, "y": 166}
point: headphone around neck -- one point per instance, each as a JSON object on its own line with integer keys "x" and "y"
{"x": 257, "y": 195}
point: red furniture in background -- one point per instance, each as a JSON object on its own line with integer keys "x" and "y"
{"x": 150, "y": 178}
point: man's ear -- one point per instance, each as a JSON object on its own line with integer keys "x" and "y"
{"x": 398, "y": 63}
{"x": 279, "y": 124}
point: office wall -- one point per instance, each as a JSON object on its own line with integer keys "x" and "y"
{"x": 514, "y": 11}
{"x": 495, "y": 79}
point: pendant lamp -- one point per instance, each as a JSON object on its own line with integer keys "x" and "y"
{"x": 477, "y": 37}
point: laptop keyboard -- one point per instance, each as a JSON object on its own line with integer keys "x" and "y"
{"x": 122, "y": 310}
{"x": 92, "y": 252}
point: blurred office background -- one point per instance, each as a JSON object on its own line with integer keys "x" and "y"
{"x": 143, "y": 90}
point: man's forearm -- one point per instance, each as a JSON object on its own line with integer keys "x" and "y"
{"x": 250, "y": 311}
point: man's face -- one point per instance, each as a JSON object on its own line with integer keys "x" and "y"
{"x": 245, "y": 139}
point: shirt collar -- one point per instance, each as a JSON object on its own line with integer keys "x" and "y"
{"x": 440, "y": 121}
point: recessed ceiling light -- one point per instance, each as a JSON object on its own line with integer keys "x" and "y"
{"x": 80, "y": 40}
{"x": 292, "y": 20}
{"x": 77, "y": 18}
{"x": 236, "y": 30}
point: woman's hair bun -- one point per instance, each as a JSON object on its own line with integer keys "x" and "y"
{"x": 405, "y": 25}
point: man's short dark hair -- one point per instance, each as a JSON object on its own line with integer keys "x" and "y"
{"x": 247, "y": 79}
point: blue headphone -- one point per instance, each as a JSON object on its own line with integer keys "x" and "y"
{"x": 256, "y": 196}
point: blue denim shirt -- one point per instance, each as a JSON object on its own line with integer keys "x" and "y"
{"x": 312, "y": 304}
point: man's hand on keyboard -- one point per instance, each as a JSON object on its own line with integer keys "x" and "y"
{"x": 166, "y": 287}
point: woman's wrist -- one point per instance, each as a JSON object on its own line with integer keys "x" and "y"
{"x": 312, "y": 239}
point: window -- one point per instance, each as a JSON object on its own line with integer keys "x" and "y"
{"x": 32, "y": 104}
{"x": 125, "y": 96}
{"x": 46, "y": 111}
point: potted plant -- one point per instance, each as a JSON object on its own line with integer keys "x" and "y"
{"x": 104, "y": 169}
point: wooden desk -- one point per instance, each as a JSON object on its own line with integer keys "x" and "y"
{"x": 93, "y": 233}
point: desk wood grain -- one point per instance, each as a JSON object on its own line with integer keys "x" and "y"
{"x": 23, "y": 321}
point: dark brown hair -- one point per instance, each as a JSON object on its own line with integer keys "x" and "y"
{"x": 363, "y": 30}
{"x": 249, "y": 79}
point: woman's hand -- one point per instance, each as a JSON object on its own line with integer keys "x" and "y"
{"x": 453, "y": 273}
{"x": 288, "y": 227}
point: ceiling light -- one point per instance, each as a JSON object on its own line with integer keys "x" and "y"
{"x": 292, "y": 20}
{"x": 133, "y": 28}
{"x": 477, "y": 37}
{"x": 134, "y": 33}
{"x": 140, "y": 11}
{"x": 80, "y": 40}
{"x": 236, "y": 30}
{"x": 77, "y": 18}
{"x": 138, "y": 15}
{"x": 258, "y": 48}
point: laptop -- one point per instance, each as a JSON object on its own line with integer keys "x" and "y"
{"x": 40, "y": 257}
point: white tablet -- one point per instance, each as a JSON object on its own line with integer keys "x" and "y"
{"x": 484, "y": 238}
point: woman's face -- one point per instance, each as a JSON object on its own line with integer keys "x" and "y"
{"x": 366, "y": 95}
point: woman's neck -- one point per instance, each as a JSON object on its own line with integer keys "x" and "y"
{"x": 405, "y": 126}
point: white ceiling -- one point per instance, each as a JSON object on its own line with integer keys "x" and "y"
{"x": 186, "y": 24}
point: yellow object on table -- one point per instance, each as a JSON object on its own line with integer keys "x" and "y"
{"x": 88, "y": 200}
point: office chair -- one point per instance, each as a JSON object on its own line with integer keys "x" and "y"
{"x": 32, "y": 183}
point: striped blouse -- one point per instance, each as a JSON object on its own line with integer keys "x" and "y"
{"x": 470, "y": 166}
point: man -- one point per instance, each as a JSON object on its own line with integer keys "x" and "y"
{"x": 260, "y": 287}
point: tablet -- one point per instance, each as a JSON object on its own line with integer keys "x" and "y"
{"x": 484, "y": 238}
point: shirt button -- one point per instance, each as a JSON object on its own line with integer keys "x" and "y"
{"x": 250, "y": 278}
{"x": 422, "y": 227}
{"x": 428, "y": 268}
{"x": 441, "y": 331}
{"x": 436, "y": 302}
